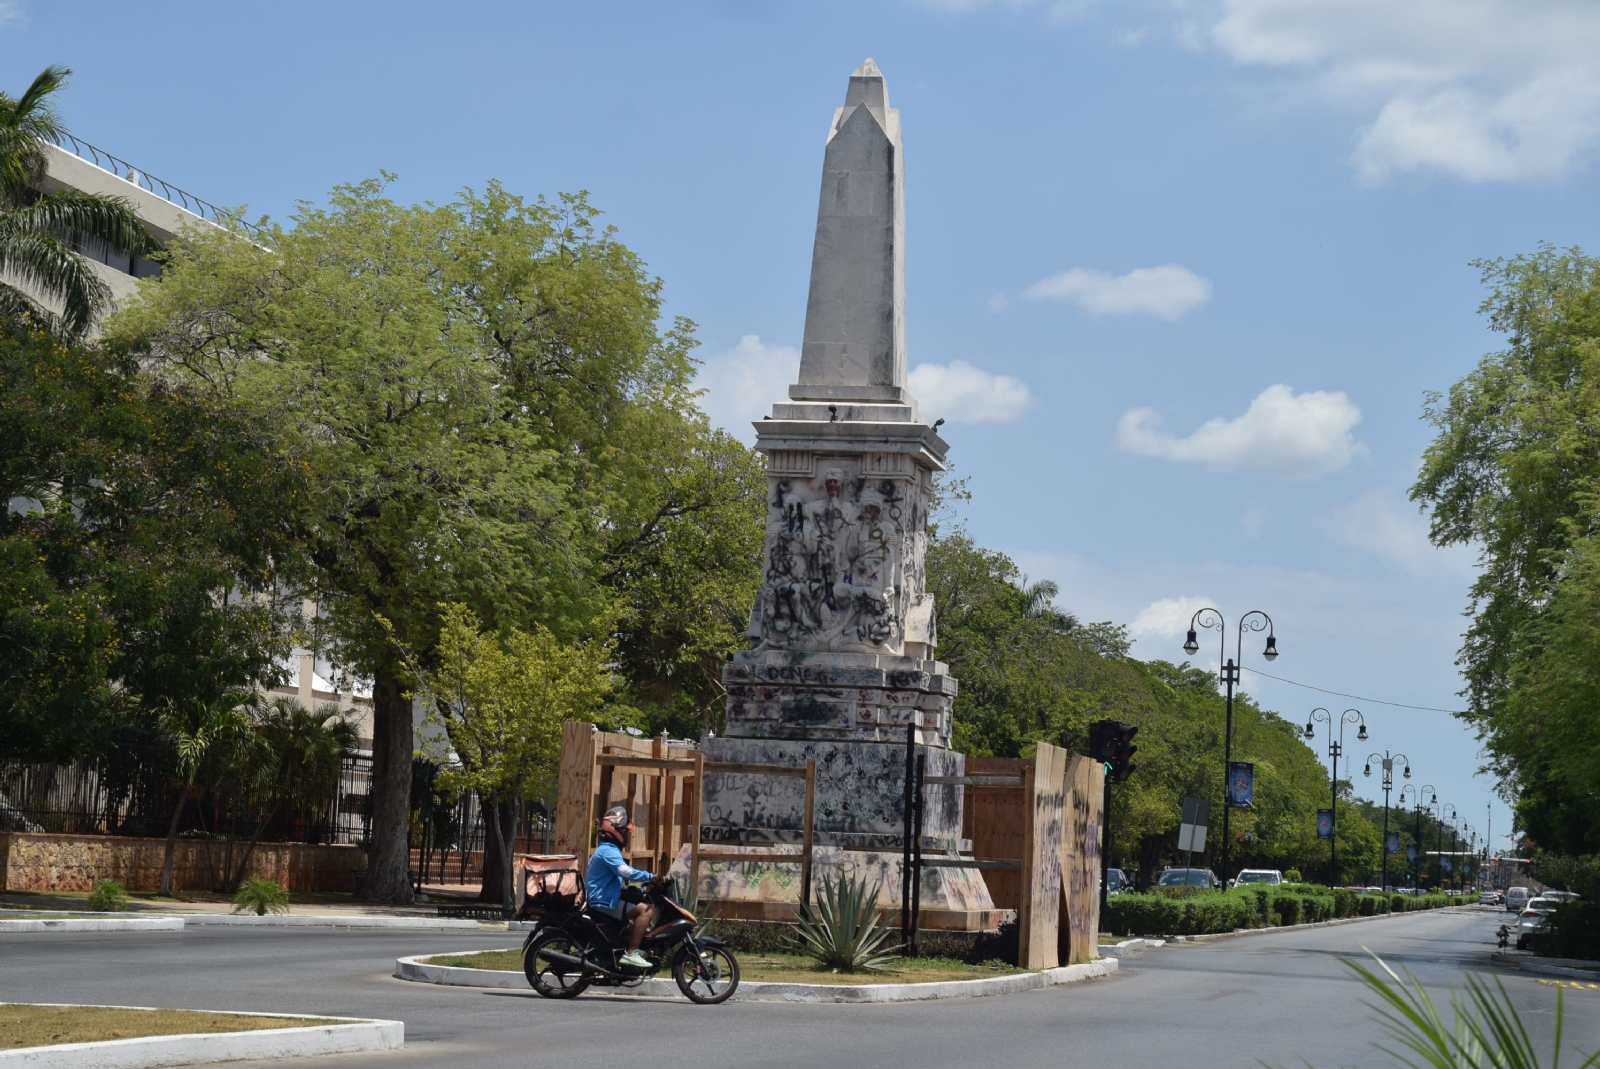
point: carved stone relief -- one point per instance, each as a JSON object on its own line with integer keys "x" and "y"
{"x": 844, "y": 556}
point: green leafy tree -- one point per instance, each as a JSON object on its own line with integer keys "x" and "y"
{"x": 501, "y": 702}
{"x": 198, "y": 732}
{"x": 141, "y": 555}
{"x": 39, "y": 232}
{"x": 1514, "y": 469}
{"x": 488, "y": 413}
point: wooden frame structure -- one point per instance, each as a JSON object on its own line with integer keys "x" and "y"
{"x": 661, "y": 783}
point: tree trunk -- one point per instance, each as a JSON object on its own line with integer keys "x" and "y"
{"x": 501, "y": 818}
{"x": 172, "y": 840}
{"x": 388, "y": 855}
{"x": 508, "y": 845}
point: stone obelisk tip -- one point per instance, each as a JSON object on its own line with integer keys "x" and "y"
{"x": 854, "y": 346}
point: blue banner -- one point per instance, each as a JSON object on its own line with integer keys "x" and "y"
{"x": 1391, "y": 843}
{"x": 1411, "y": 852}
{"x": 1444, "y": 863}
{"x": 1241, "y": 784}
{"x": 1324, "y": 823}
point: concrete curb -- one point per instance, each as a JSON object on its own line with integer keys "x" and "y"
{"x": 764, "y": 991}
{"x": 91, "y": 924}
{"x": 333, "y": 920}
{"x": 1126, "y": 947}
{"x": 354, "y": 1034}
{"x": 1531, "y": 966}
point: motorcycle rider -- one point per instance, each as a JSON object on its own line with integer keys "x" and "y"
{"x": 604, "y": 880}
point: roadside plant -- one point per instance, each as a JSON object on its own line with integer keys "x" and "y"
{"x": 1488, "y": 1030}
{"x": 843, "y": 931}
{"x": 108, "y": 896}
{"x": 260, "y": 896}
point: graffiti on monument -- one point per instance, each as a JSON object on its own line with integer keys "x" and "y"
{"x": 842, "y": 560}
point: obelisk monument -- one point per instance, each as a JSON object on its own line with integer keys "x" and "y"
{"x": 841, "y": 660}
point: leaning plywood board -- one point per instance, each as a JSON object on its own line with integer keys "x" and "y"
{"x": 1039, "y": 927}
{"x": 1081, "y": 857}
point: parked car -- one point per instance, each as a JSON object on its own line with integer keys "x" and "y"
{"x": 1534, "y": 919}
{"x": 1267, "y": 876}
{"x": 1187, "y": 878}
{"x": 1560, "y": 896}
{"x": 1516, "y": 898}
{"x": 1372, "y": 890}
{"x": 1116, "y": 882}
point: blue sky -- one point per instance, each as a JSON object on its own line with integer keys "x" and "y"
{"x": 1179, "y": 273}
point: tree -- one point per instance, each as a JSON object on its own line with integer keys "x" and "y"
{"x": 40, "y": 232}
{"x": 501, "y": 702}
{"x": 488, "y": 414}
{"x": 1515, "y": 470}
{"x": 198, "y": 731}
{"x": 149, "y": 533}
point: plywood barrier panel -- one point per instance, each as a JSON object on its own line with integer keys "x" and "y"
{"x": 1039, "y": 924}
{"x": 992, "y": 819}
{"x": 575, "y": 789}
{"x": 1081, "y": 857}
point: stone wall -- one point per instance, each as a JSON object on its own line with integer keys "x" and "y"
{"x": 31, "y": 861}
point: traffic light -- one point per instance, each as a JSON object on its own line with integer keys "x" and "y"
{"x": 1111, "y": 741}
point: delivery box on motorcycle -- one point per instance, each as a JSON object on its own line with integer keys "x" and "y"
{"x": 547, "y": 882}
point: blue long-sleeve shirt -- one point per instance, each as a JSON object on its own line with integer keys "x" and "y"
{"x": 607, "y": 872}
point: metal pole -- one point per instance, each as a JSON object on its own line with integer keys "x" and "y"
{"x": 1416, "y": 868}
{"x": 1105, "y": 852}
{"x": 916, "y": 855}
{"x": 1384, "y": 850}
{"x": 1333, "y": 837}
{"x": 1229, "y": 672}
{"x": 905, "y": 852}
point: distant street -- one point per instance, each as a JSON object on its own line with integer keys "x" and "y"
{"x": 1278, "y": 998}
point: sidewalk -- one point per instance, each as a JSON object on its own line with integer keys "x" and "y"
{"x": 200, "y": 902}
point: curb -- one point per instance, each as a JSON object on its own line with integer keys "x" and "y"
{"x": 356, "y": 1034}
{"x": 1126, "y": 947}
{"x": 92, "y": 924}
{"x": 1525, "y": 965}
{"x": 290, "y": 920}
{"x": 764, "y": 991}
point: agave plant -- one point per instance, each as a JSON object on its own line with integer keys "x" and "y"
{"x": 1488, "y": 1032}
{"x": 843, "y": 930}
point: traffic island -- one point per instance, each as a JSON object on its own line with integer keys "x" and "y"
{"x": 504, "y": 971}
{"x": 66, "y": 1036}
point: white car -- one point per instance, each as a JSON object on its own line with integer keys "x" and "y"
{"x": 1516, "y": 898}
{"x": 1267, "y": 876}
{"x": 1534, "y": 919}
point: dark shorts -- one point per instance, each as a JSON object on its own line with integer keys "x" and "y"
{"x": 616, "y": 912}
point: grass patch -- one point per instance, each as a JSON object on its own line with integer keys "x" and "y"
{"x": 22, "y": 1025}
{"x": 781, "y": 968}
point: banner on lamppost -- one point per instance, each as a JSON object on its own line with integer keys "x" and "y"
{"x": 1411, "y": 851}
{"x": 1444, "y": 863}
{"x": 1324, "y": 823}
{"x": 1241, "y": 784}
{"x": 1391, "y": 843}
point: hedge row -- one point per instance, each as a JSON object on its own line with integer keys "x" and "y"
{"x": 1254, "y": 906}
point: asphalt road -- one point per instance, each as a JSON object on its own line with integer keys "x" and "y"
{"x": 1275, "y": 998}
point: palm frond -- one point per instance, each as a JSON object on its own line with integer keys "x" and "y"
{"x": 49, "y": 267}
{"x": 26, "y": 123}
{"x": 73, "y": 215}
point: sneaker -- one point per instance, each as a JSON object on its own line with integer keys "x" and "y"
{"x": 636, "y": 960}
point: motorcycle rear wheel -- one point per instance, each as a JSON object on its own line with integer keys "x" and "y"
{"x": 555, "y": 979}
{"x": 711, "y": 980}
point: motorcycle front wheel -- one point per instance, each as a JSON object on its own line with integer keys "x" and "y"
{"x": 708, "y": 980}
{"x": 551, "y": 976}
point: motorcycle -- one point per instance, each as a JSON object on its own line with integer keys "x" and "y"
{"x": 571, "y": 948}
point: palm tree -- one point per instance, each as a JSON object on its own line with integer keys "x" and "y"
{"x": 39, "y": 232}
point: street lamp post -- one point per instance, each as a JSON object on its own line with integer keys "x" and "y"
{"x": 1451, "y": 817}
{"x": 1411, "y": 788}
{"x": 1335, "y": 748}
{"x": 1208, "y": 619}
{"x": 1388, "y": 760}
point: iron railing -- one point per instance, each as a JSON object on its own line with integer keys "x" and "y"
{"x": 168, "y": 192}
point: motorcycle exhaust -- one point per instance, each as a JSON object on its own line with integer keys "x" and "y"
{"x": 581, "y": 963}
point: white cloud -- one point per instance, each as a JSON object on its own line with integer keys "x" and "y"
{"x": 1167, "y": 617}
{"x": 1254, "y": 518}
{"x": 962, "y": 393}
{"x": 1482, "y": 90}
{"x": 742, "y": 383}
{"x": 1168, "y": 292}
{"x": 1055, "y": 10}
{"x": 1393, "y": 530}
{"x": 1294, "y": 436}
{"x": 12, "y": 13}
{"x": 997, "y": 303}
